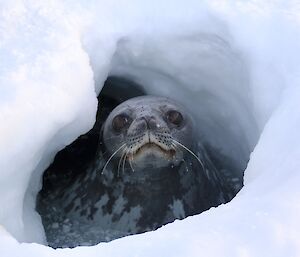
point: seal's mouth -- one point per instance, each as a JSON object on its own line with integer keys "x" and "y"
{"x": 152, "y": 148}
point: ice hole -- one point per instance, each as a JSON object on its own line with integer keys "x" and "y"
{"x": 208, "y": 76}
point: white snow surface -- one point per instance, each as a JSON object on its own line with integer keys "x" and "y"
{"x": 236, "y": 64}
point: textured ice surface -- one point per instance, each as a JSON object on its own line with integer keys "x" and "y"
{"x": 237, "y": 65}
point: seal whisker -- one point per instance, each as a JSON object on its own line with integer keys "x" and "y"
{"x": 124, "y": 162}
{"x": 174, "y": 145}
{"x": 120, "y": 162}
{"x": 130, "y": 163}
{"x": 191, "y": 152}
{"x": 185, "y": 164}
{"x": 109, "y": 159}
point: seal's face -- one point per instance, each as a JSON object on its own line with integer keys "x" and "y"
{"x": 148, "y": 131}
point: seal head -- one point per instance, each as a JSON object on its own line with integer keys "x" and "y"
{"x": 147, "y": 132}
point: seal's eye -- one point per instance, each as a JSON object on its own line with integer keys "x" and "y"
{"x": 174, "y": 117}
{"x": 120, "y": 121}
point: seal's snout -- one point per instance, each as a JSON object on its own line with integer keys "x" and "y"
{"x": 152, "y": 123}
{"x": 146, "y": 123}
{"x": 149, "y": 129}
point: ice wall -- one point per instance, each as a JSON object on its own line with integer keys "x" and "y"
{"x": 47, "y": 99}
{"x": 243, "y": 54}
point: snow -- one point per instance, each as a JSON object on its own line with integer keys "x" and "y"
{"x": 235, "y": 64}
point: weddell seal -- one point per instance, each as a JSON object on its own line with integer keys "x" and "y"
{"x": 150, "y": 169}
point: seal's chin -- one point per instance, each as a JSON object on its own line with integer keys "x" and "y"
{"x": 151, "y": 154}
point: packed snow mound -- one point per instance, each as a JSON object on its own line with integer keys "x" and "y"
{"x": 232, "y": 63}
